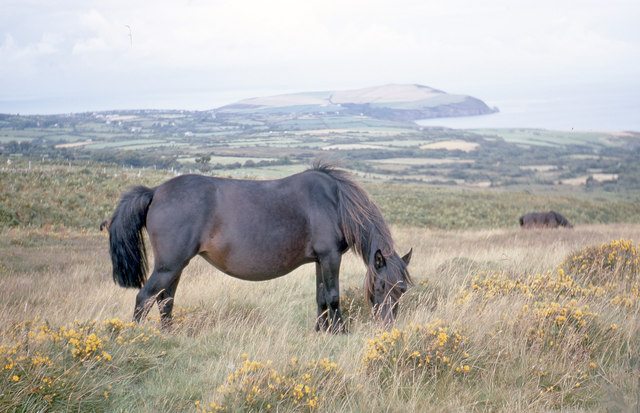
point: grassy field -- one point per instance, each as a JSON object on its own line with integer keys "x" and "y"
{"x": 83, "y": 194}
{"x": 498, "y": 320}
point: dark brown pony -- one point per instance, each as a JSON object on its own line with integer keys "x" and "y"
{"x": 256, "y": 230}
{"x": 550, "y": 219}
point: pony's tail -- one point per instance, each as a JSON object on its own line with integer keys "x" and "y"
{"x": 126, "y": 239}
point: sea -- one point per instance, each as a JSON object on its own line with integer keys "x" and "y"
{"x": 611, "y": 108}
{"x": 611, "y": 111}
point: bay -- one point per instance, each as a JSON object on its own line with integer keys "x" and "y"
{"x": 605, "y": 111}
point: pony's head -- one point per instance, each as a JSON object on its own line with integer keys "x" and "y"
{"x": 562, "y": 220}
{"x": 387, "y": 279}
{"x": 366, "y": 231}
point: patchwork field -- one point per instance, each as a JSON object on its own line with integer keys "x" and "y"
{"x": 599, "y": 163}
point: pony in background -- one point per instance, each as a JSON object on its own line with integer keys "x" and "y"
{"x": 551, "y": 219}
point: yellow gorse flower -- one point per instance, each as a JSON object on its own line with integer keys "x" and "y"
{"x": 259, "y": 386}
{"x": 31, "y": 353}
{"x": 436, "y": 347}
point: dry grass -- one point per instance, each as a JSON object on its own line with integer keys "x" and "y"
{"x": 223, "y": 325}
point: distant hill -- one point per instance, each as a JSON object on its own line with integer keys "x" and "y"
{"x": 402, "y": 103}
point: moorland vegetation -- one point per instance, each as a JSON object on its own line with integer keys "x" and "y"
{"x": 499, "y": 320}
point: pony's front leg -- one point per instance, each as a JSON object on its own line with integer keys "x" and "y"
{"x": 322, "y": 322}
{"x": 328, "y": 294}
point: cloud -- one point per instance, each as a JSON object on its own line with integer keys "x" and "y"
{"x": 287, "y": 45}
{"x": 98, "y": 35}
{"x": 11, "y": 52}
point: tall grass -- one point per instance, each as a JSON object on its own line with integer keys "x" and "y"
{"x": 498, "y": 320}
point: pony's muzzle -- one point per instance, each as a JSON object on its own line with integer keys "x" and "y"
{"x": 386, "y": 312}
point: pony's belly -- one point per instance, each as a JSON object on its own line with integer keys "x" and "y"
{"x": 259, "y": 275}
{"x": 254, "y": 267}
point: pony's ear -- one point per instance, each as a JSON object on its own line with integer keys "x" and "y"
{"x": 407, "y": 257}
{"x": 379, "y": 260}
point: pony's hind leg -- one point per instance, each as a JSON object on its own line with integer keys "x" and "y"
{"x": 165, "y": 303}
{"x": 161, "y": 288}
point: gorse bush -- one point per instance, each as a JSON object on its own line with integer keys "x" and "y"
{"x": 571, "y": 338}
{"x": 258, "y": 386}
{"x": 565, "y": 320}
{"x": 554, "y": 285}
{"x": 73, "y": 367}
{"x": 614, "y": 261}
{"x": 417, "y": 352}
{"x": 611, "y": 269}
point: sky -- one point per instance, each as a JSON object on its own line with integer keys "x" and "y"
{"x": 86, "y": 55}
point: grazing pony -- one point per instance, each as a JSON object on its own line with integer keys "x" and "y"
{"x": 256, "y": 230}
{"x": 550, "y": 219}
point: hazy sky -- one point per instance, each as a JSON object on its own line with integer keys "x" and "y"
{"x": 61, "y": 56}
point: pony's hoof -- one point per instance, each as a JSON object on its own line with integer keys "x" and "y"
{"x": 333, "y": 329}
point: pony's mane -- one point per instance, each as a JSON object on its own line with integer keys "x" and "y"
{"x": 361, "y": 221}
